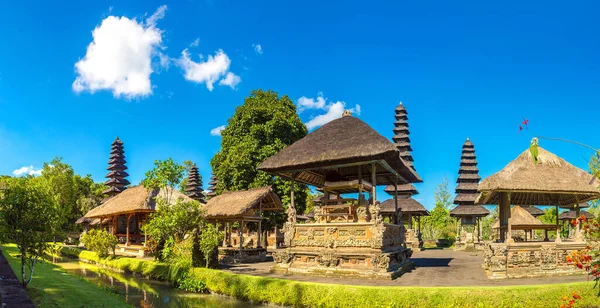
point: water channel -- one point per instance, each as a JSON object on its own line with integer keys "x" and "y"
{"x": 143, "y": 292}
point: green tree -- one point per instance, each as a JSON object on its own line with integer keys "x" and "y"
{"x": 167, "y": 174}
{"x": 187, "y": 166}
{"x": 27, "y": 218}
{"x": 209, "y": 241}
{"x": 439, "y": 224}
{"x": 261, "y": 127}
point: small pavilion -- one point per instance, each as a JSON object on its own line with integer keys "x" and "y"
{"x": 533, "y": 210}
{"x": 129, "y": 210}
{"x": 522, "y": 220}
{"x": 349, "y": 236}
{"x": 550, "y": 181}
{"x": 242, "y": 207}
{"x": 570, "y": 215}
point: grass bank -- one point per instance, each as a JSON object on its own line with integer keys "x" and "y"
{"x": 53, "y": 287}
{"x": 305, "y": 294}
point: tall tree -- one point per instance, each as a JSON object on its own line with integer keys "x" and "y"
{"x": 439, "y": 224}
{"x": 262, "y": 126}
{"x": 28, "y": 215}
{"x": 166, "y": 174}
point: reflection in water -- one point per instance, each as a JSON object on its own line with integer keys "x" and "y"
{"x": 143, "y": 292}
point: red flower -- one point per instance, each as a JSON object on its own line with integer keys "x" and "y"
{"x": 576, "y": 296}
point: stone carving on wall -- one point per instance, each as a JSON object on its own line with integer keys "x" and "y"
{"x": 328, "y": 259}
{"x": 374, "y": 211}
{"x": 289, "y": 229}
{"x": 318, "y": 214}
{"x": 361, "y": 213}
{"x": 282, "y": 257}
{"x": 291, "y": 214}
{"x": 381, "y": 261}
{"x": 548, "y": 253}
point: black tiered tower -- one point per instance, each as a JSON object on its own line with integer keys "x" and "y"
{"x": 467, "y": 211}
{"x": 194, "y": 185}
{"x": 212, "y": 186}
{"x": 468, "y": 176}
{"x": 402, "y": 142}
{"x": 116, "y": 176}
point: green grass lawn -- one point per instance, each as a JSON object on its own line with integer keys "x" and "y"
{"x": 307, "y": 294}
{"x": 53, "y": 287}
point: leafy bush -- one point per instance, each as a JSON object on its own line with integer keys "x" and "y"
{"x": 100, "y": 242}
{"x": 209, "y": 242}
{"x": 190, "y": 284}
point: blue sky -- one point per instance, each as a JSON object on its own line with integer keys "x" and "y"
{"x": 468, "y": 69}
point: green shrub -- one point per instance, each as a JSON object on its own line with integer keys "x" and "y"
{"x": 100, "y": 242}
{"x": 190, "y": 284}
{"x": 209, "y": 242}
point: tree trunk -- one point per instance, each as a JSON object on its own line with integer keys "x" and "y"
{"x": 23, "y": 277}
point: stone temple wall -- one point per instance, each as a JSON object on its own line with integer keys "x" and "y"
{"x": 530, "y": 259}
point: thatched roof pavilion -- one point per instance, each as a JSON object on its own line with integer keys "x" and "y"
{"x": 570, "y": 215}
{"x": 407, "y": 206}
{"x": 534, "y": 211}
{"x": 469, "y": 210}
{"x": 550, "y": 181}
{"x": 344, "y": 144}
{"x": 242, "y": 204}
{"x": 137, "y": 199}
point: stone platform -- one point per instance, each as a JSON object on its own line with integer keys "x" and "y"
{"x": 530, "y": 259}
{"x": 367, "y": 249}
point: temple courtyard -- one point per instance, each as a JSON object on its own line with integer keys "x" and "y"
{"x": 433, "y": 268}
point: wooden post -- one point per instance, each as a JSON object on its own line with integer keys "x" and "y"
{"x": 373, "y": 181}
{"x": 127, "y": 232}
{"x": 101, "y": 220}
{"x": 241, "y": 231}
{"x": 258, "y": 244}
{"x": 292, "y": 202}
{"x": 480, "y": 230}
{"x": 504, "y": 205}
{"x": 578, "y": 235}
{"x": 397, "y": 216}
{"x": 509, "y": 220}
{"x": 558, "y": 239}
{"x": 115, "y": 224}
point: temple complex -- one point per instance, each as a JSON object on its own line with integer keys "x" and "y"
{"x": 409, "y": 207}
{"x": 235, "y": 210}
{"x": 551, "y": 181}
{"x": 116, "y": 176}
{"x": 349, "y": 236}
{"x": 468, "y": 214}
{"x": 194, "y": 185}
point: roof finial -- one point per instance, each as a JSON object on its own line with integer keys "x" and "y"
{"x": 534, "y": 140}
{"x": 347, "y": 113}
{"x": 468, "y": 139}
{"x": 400, "y": 103}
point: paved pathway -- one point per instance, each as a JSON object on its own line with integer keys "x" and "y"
{"x": 435, "y": 267}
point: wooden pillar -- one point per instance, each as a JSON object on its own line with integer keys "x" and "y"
{"x": 480, "y": 230}
{"x": 101, "y": 220}
{"x": 275, "y": 241}
{"x": 578, "y": 235}
{"x": 258, "y": 243}
{"x": 115, "y": 224}
{"x": 229, "y": 227}
{"x": 127, "y": 243}
{"x": 373, "y": 181}
{"x": 292, "y": 202}
{"x": 397, "y": 215}
{"x": 241, "y": 231}
{"x": 505, "y": 228}
{"x": 558, "y": 239}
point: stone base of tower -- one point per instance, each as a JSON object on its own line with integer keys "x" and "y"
{"x": 364, "y": 250}
{"x": 469, "y": 242}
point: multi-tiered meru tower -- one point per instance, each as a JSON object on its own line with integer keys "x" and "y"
{"x": 116, "y": 176}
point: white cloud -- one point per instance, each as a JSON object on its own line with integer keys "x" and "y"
{"x": 258, "y": 48}
{"x": 332, "y": 110}
{"x": 27, "y": 170}
{"x": 217, "y": 130}
{"x": 119, "y": 58}
{"x": 209, "y": 71}
{"x": 230, "y": 80}
{"x": 195, "y": 43}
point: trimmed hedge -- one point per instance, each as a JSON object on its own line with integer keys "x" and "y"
{"x": 306, "y": 294}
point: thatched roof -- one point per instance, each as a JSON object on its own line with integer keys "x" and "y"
{"x": 534, "y": 211}
{"x": 340, "y": 144}
{"x": 569, "y": 215}
{"x": 519, "y": 216}
{"x": 132, "y": 200}
{"x": 469, "y": 210}
{"x": 234, "y": 204}
{"x": 552, "y": 181}
{"x": 406, "y": 205}
{"x": 404, "y": 189}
